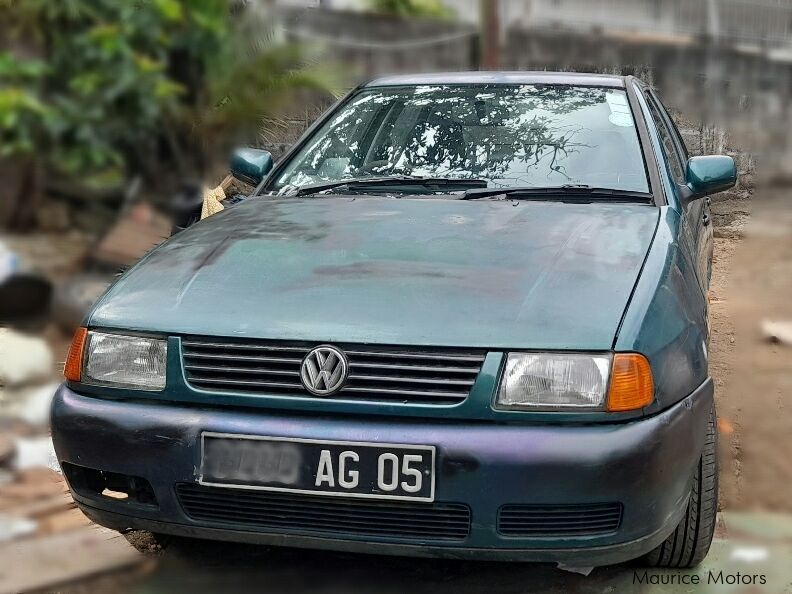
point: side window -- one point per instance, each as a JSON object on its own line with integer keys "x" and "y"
{"x": 672, "y": 125}
{"x": 670, "y": 149}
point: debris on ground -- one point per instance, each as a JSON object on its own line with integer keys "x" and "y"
{"x": 39, "y": 519}
{"x": 584, "y": 571}
{"x": 29, "y": 404}
{"x": 24, "y": 359}
{"x": 54, "y": 255}
{"x": 12, "y": 528}
{"x": 6, "y": 448}
{"x": 40, "y": 563}
{"x": 31, "y": 484}
{"x": 749, "y": 554}
{"x": 35, "y": 452}
{"x": 137, "y": 232}
{"x": 725, "y": 426}
{"x": 36, "y": 508}
{"x": 24, "y": 294}
{"x": 27, "y": 386}
{"x": 38, "y": 522}
{"x": 779, "y": 332}
{"x": 53, "y": 216}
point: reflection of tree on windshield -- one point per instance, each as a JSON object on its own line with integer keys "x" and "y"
{"x": 506, "y": 126}
{"x": 543, "y": 141}
{"x": 511, "y": 135}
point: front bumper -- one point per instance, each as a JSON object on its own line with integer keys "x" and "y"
{"x": 645, "y": 465}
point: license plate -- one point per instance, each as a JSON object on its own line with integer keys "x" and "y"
{"x": 335, "y": 468}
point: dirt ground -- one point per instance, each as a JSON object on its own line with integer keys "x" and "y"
{"x": 752, "y": 285}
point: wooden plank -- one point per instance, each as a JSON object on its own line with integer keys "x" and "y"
{"x": 62, "y": 521}
{"x": 50, "y": 561}
{"x": 24, "y": 491}
{"x": 42, "y": 507}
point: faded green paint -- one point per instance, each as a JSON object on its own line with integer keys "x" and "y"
{"x": 492, "y": 274}
{"x": 499, "y": 275}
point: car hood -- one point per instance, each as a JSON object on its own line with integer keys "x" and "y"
{"x": 492, "y": 274}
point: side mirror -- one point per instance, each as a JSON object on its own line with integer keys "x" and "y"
{"x": 709, "y": 175}
{"x": 250, "y": 165}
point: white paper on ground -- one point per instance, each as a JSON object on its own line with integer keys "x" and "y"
{"x": 11, "y": 527}
{"x": 31, "y": 405}
{"x": 778, "y": 331}
{"x": 579, "y": 570}
{"x": 35, "y": 452}
{"x": 24, "y": 359}
{"x": 749, "y": 554}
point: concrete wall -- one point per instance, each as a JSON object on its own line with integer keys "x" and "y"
{"x": 762, "y": 23}
{"x": 726, "y": 88}
{"x": 369, "y": 45}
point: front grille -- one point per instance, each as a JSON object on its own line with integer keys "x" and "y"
{"x": 376, "y": 373}
{"x": 558, "y": 520}
{"x": 261, "y": 510}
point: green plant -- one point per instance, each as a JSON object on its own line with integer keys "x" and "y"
{"x": 411, "y": 8}
{"x": 24, "y": 117}
{"x": 249, "y": 79}
{"x": 141, "y": 87}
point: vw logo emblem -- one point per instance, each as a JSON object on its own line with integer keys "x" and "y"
{"x": 324, "y": 370}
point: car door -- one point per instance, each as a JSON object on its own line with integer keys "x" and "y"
{"x": 698, "y": 210}
{"x": 697, "y": 227}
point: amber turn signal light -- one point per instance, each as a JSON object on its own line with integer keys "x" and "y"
{"x": 72, "y": 371}
{"x": 631, "y": 384}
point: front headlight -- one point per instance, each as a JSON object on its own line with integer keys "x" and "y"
{"x": 124, "y": 361}
{"x": 554, "y": 380}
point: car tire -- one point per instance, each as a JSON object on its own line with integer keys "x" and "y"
{"x": 687, "y": 546}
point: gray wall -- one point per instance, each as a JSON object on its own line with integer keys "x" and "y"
{"x": 763, "y": 23}
{"x": 725, "y": 96}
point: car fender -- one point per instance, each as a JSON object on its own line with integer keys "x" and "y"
{"x": 666, "y": 317}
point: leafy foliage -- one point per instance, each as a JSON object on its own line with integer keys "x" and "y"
{"x": 142, "y": 86}
{"x": 23, "y": 115}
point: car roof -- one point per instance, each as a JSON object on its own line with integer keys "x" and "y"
{"x": 501, "y": 78}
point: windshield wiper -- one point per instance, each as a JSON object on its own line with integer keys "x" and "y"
{"x": 568, "y": 193}
{"x": 394, "y": 181}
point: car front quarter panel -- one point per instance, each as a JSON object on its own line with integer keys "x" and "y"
{"x": 666, "y": 319}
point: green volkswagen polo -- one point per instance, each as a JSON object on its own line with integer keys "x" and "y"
{"x": 465, "y": 316}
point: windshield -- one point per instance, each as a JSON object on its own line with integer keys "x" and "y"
{"x": 510, "y": 136}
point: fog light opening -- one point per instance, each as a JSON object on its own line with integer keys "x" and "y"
{"x": 100, "y": 484}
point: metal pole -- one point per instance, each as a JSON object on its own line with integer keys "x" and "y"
{"x": 490, "y": 34}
